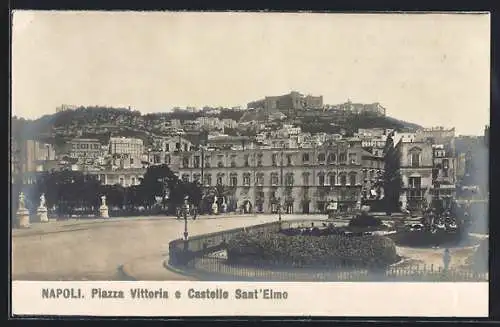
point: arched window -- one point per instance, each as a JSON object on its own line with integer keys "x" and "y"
{"x": 321, "y": 157}
{"x": 274, "y": 179}
{"x": 415, "y": 157}
{"x": 220, "y": 178}
{"x": 207, "y": 179}
{"x": 352, "y": 178}
{"x": 305, "y": 178}
{"x": 321, "y": 179}
{"x": 233, "y": 179}
{"x": 246, "y": 179}
{"x": 289, "y": 179}
{"x": 331, "y": 158}
{"x": 260, "y": 179}
{"x": 332, "y": 179}
{"x": 343, "y": 179}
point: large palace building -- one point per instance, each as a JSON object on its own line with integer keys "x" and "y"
{"x": 302, "y": 180}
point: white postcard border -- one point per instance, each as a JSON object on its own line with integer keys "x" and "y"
{"x": 303, "y": 299}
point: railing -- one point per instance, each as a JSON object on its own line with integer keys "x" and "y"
{"x": 194, "y": 256}
{"x": 182, "y": 252}
{"x": 211, "y": 268}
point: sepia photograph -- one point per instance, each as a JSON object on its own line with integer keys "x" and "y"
{"x": 203, "y": 148}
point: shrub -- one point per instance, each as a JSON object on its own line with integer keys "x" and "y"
{"x": 479, "y": 260}
{"x": 426, "y": 238}
{"x": 300, "y": 250}
{"x": 365, "y": 220}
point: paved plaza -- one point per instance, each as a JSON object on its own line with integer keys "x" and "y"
{"x": 135, "y": 248}
{"x": 95, "y": 249}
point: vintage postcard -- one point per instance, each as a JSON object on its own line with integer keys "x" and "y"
{"x": 249, "y": 164}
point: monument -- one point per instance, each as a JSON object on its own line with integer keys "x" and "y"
{"x": 41, "y": 211}
{"x": 215, "y": 206}
{"x": 23, "y": 214}
{"x": 103, "y": 209}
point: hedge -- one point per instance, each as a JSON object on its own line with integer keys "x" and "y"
{"x": 479, "y": 260}
{"x": 364, "y": 220}
{"x": 307, "y": 251}
{"x": 426, "y": 238}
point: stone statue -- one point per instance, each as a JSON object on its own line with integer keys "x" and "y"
{"x": 22, "y": 204}
{"x": 41, "y": 212}
{"x": 215, "y": 206}
{"x": 42, "y": 201}
{"x": 103, "y": 210}
{"x": 247, "y": 207}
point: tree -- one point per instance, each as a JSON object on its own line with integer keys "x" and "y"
{"x": 392, "y": 177}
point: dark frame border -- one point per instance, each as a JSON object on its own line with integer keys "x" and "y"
{"x": 339, "y": 6}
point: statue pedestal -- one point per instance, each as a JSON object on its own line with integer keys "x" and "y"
{"x": 41, "y": 214}
{"x": 103, "y": 211}
{"x": 23, "y": 218}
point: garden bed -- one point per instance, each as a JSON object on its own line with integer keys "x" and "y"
{"x": 275, "y": 249}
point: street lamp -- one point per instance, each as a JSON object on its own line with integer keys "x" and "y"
{"x": 185, "y": 214}
{"x": 279, "y": 209}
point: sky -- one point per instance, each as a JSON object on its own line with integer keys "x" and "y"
{"x": 430, "y": 69}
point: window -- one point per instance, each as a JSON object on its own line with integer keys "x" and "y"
{"x": 321, "y": 157}
{"x": 246, "y": 160}
{"x": 274, "y": 179}
{"x": 289, "y": 160}
{"x": 259, "y": 160}
{"x": 321, "y": 179}
{"x": 185, "y": 162}
{"x": 196, "y": 162}
{"x": 186, "y": 147}
{"x": 178, "y": 146}
{"x": 305, "y": 157}
{"x": 415, "y": 159}
{"x": 331, "y": 158}
{"x": 219, "y": 179}
{"x": 260, "y": 179}
{"x": 372, "y": 174}
{"x": 289, "y": 179}
{"x": 233, "y": 161}
{"x": 343, "y": 179}
{"x": 233, "y": 180}
{"x": 167, "y": 159}
{"x": 132, "y": 181}
{"x": 352, "y": 158}
{"x": 246, "y": 179}
{"x": 207, "y": 161}
{"x": 131, "y": 161}
{"x": 352, "y": 179}
{"x": 332, "y": 179}
{"x": 342, "y": 158}
{"x": 185, "y": 178}
{"x": 167, "y": 147}
{"x": 414, "y": 182}
{"x": 196, "y": 177}
{"x": 274, "y": 159}
{"x": 220, "y": 164}
{"x": 208, "y": 179}
{"x": 305, "y": 179}
{"x": 122, "y": 181}
{"x": 365, "y": 174}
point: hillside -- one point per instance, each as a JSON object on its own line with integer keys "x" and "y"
{"x": 124, "y": 122}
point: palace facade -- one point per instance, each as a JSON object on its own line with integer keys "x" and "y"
{"x": 302, "y": 180}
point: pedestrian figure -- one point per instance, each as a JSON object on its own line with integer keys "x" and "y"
{"x": 446, "y": 258}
